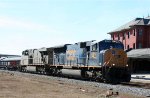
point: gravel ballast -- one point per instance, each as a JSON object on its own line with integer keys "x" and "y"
{"x": 120, "y": 88}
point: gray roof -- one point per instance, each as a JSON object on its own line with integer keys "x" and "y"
{"x": 8, "y": 55}
{"x": 60, "y": 46}
{"x": 137, "y": 21}
{"x": 139, "y": 53}
{"x": 12, "y": 59}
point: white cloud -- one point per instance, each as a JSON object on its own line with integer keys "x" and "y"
{"x": 37, "y": 35}
{"x": 12, "y": 23}
{"x": 4, "y": 5}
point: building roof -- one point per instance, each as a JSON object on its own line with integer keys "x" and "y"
{"x": 8, "y": 55}
{"x": 12, "y": 59}
{"x": 137, "y": 21}
{"x": 139, "y": 53}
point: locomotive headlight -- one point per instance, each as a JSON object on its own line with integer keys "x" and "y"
{"x": 113, "y": 64}
{"x": 127, "y": 65}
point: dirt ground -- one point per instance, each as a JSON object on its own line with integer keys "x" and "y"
{"x": 17, "y": 86}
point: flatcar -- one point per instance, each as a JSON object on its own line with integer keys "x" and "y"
{"x": 104, "y": 61}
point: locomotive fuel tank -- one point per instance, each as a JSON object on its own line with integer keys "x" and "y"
{"x": 70, "y": 72}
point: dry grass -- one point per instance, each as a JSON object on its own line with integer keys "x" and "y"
{"x": 16, "y": 86}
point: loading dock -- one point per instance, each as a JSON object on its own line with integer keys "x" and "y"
{"x": 139, "y": 60}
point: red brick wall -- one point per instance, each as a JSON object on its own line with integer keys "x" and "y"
{"x": 146, "y": 41}
{"x": 145, "y": 38}
{"x": 131, "y": 40}
{"x": 126, "y": 41}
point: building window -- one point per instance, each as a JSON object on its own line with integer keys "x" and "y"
{"x": 124, "y": 36}
{"x": 140, "y": 32}
{"x": 118, "y": 37}
{"x": 94, "y": 47}
{"x": 140, "y": 45}
{"x": 133, "y": 45}
{"x": 128, "y": 47}
{"x": 134, "y": 32}
{"x": 112, "y": 36}
{"x": 128, "y": 35}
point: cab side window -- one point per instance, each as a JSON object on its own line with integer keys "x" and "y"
{"x": 94, "y": 47}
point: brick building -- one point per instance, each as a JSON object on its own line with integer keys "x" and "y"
{"x": 134, "y": 35}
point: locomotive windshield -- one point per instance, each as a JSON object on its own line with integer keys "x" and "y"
{"x": 107, "y": 44}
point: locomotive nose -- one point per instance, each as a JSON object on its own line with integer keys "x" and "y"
{"x": 116, "y": 57}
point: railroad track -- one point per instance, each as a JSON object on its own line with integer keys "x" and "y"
{"x": 137, "y": 84}
{"x": 140, "y": 83}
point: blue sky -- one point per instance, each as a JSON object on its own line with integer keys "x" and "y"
{"x": 26, "y": 24}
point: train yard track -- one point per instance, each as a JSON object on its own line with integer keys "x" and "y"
{"x": 135, "y": 87}
{"x": 138, "y": 83}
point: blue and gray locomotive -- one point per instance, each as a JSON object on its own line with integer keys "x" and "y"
{"x": 104, "y": 60}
